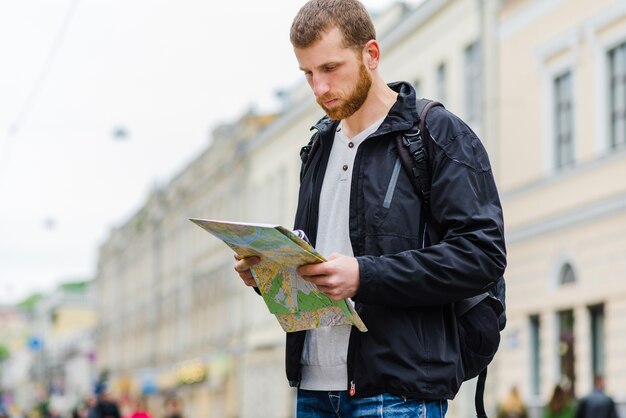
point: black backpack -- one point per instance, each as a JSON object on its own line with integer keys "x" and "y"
{"x": 479, "y": 318}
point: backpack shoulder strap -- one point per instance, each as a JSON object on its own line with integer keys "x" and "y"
{"x": 413, "y": 154}
{"x": 307, "y": 151}
{"x": 479, "y": 395}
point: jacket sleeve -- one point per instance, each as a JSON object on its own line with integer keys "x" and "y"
{"x": 466, "y": 212}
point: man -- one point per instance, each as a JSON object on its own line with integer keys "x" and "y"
{"x": 106, "y": 407}
{"x": 360, "y": 210}
{"x": 597, "y": 404}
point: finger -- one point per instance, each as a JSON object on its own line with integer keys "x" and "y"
{"x": 254, "y": 259}
{"x": 317, "y": 269}
{"x": 245, "y": 275}
{"x": 318, "y": 280}
{"x": 247, "y": 278}
{"x": 249, "y": 281}
{"x": 245, "y": 264}
{"x": 251, "y": 261}
{"x": 240, "y": 267}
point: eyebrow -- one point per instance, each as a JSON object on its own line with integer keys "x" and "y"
{"x": 339, "y": 62}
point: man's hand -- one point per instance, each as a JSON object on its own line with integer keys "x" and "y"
{"x": 242, "y": 267}
{"x": 338, "y": 277}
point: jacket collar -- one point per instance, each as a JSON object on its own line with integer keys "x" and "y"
{"x": 401, "y": 117}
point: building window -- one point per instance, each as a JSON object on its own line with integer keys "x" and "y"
{"x": 473, "y": 84}
{"x": 441, "y": 82}
{"x": 617, "y": 92}
{"x": 596, "y": 319}
{"x": 535, "y": 355}
{"x": 563, "y": 120}
{"x": 566, "y": 348}
{"x": 567, "y": 275}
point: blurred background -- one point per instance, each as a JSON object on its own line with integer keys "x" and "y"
{"x": 121, "y": 120}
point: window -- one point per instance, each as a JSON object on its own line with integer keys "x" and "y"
{"x": 441, "y": 82}
{"x": 535, "y": 355}
{"x": 596, "y": 319}
{"x": 473, "y": 84}
{"x": 567, "y": 275}
{"x": 566, "y": 347}
{"x": 563, "y": 120}
{"x": 617, "y": 95}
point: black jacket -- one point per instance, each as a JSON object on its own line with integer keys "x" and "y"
{"x": 407, "y": 287}
{"x": 596, "y": 405}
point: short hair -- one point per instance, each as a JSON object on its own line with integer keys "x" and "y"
{"x": 317, "y": 17}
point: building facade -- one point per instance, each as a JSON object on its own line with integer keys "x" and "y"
{"x": 173, "y": 321}
{"x": 562, "y": 158}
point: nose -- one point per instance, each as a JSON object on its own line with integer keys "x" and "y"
{"x": 320, "y": 85}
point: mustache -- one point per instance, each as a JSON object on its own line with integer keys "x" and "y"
{"x": 325, "y": 98}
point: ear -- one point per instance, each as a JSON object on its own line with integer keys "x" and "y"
{"x": 371, "y": 54}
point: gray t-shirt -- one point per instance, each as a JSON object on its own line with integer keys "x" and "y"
{"x": 324, "y": 357}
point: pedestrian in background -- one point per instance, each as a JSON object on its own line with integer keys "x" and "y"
{"x": 140, "y": 409}
{"x": 597, "y": 404}
{"x": 560, "y": 405}
{"x": 512, "y": 406}
{"x": 91, "y": 403}
{"x": 173, "y": 408}
{"x": 106, "y": 407}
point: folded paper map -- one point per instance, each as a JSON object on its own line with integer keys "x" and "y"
{"x": 297, "y": 304}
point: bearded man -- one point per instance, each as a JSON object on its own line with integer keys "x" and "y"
{"x": 360, "y": 209}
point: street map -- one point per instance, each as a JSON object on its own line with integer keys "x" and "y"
{"x": 297, "y": 304}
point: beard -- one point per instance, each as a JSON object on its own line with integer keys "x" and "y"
{"x": 350, "y": 104}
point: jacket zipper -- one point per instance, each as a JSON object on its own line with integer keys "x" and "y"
{"x": 392, "y": 184}
{"x": 352, "y": 388}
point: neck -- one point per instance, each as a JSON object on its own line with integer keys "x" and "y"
{"x": 379, "y": 100}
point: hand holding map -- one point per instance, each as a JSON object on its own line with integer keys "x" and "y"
{"x": 297, "y": 304}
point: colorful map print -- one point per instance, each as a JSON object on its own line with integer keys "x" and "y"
{"x": 297, "y": 304}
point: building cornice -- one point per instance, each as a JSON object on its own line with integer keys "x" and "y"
{"x": 575, "y": 217}
{"x": 616, "y": 156}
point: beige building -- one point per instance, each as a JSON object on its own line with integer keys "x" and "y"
{"x": 562, "y": 159}
{"x": 173, "y": 321}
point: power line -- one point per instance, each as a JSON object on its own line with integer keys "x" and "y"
{"x": 38, "y": 84}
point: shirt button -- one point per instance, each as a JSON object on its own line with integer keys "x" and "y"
{"x": 345, "y": 167}
{"x": 350, "y": 144}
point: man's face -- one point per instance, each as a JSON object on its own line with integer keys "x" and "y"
{"x": 337, "y": 75}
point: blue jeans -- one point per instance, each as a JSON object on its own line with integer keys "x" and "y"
{"x": 339, "y": 404}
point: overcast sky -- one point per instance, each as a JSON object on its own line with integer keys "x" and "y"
{"x": 74, "y": 72}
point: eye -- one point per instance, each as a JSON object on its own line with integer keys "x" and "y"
{"x": 329, "y": 68}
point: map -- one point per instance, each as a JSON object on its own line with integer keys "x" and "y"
{"x": 297, "y": 304}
